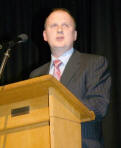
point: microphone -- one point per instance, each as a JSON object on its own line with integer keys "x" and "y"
{"x": 18, "y": 40}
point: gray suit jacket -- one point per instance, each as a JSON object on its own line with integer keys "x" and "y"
{"x": 88, "y": 78}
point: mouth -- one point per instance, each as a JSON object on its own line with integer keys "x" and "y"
{"x": 60, "y": 38}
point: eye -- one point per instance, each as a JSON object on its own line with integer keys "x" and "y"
{"x": 66, "y": 25}
{"x": 53, "y": 25}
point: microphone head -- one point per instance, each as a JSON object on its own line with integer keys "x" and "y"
{"x": 22, "y": 38}
{"x": 18, "y": 40}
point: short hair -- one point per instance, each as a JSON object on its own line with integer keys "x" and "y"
{"x": 61, "y": 9}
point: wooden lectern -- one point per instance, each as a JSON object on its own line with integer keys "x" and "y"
{"x": 40, "y": 113}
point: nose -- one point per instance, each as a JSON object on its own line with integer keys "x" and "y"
{"x": 59, "y": 29}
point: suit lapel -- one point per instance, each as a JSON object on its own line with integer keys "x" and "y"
{"x": 71, "y": 68}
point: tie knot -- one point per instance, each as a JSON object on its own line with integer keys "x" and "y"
{"x": 57, "y": 63}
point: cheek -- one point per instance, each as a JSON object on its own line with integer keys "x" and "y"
{"x": 71, "y": 36}
{"x": 51, "y": 34}
{"x": 47, "y": 34}
{"x": 50, "y": 38}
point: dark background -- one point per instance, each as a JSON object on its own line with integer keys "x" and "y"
{"x": 99, "y": 32}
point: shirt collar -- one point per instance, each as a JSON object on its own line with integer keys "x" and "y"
{"x": 64, "y": 58}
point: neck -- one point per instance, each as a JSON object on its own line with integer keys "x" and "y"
{"x": 59, "y": 52}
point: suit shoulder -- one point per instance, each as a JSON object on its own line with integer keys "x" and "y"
{"x": 90, "y": 60}
{"x": 42, "y": 70}
{"x": 90, "y": 57}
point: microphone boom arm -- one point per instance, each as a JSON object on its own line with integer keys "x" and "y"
{"x": 4, "y": 61}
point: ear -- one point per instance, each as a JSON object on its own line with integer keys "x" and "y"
{"x": 44, "y": 35}
{"x": 75, "y": 35}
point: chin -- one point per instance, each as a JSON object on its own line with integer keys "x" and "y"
{"x": 59, "y": 48}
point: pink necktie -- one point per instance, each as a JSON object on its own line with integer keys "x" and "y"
{"x": 57, "y": 72}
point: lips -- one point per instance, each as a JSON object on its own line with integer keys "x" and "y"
{"x": 59, "y": 38}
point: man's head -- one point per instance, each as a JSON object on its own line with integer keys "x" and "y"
{"x": 60, "y": 31}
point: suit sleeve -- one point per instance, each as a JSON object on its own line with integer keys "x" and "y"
{"x": 98, "y": 83}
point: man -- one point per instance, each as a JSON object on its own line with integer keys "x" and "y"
{"x": 85, "y": 75}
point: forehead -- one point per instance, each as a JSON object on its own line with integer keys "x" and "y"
{"x": 59, "y": 16}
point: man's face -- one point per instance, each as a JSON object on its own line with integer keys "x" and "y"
{"x": 60, "y": 31}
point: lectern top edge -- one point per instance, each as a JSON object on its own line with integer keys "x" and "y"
{"x": 29, "y": 88}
